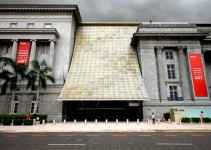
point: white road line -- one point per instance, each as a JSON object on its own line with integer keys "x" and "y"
{"x": 180, "y": 144}
{"x": 66, "y": 144}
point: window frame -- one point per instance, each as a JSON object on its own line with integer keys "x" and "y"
{"x": 47, "y": 25}
{"x": 33, "y": 102}
{"x": 173, "y": 93}
{"x": 168, "y": 55}
{"x": 30, "y": 25}
{"x": 13, "y": 25}
{"x": 171, "y": 72}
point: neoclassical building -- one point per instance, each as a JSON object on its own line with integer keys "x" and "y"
{"x": 106, "y": 70}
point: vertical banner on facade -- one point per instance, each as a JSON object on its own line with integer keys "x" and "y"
{"x": 23, "y": 52}
{"x": 198, "y": 76}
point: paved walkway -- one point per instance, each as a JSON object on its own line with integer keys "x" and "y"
{"x": 109, "y": 127}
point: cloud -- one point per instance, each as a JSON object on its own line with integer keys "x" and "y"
{"x": 135, "y": 10}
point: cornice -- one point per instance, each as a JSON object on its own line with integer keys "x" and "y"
{"x": 29, "y": 31}
{"x": 42, "y": 8}
{"x": 138, "y": 36}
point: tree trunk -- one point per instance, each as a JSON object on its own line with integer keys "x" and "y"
{"x": 37, "y": 99}
{"x": 12, "y": 102}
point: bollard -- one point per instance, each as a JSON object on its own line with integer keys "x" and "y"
{"x": 158, "y": 121}
{"x": 106, "y": 121}
{"x": 74, "y": 121}
{"x": 54, "y": 121}
{"x": 127, "y": 121}
{"x": 148, "y": 121}
{"x": 137, "y": 121}
{"x": 169, "y": 121}
{"x": 12, "y": 122}
{"x": 85, "y": 122}
{"x": 95, "y": 121}
{"x": 64, "y": 121}
{"x": 43, "y": 121}
{"x": 180, "y": 122}
{"x": 117, "y": 121}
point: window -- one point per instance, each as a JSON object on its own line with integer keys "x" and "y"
{"x": 14, "y": 106}
{"x": 169, "y": 55}
{"x": 45, "y": 49}
{"x": 7, "y": 49}
{"x": 173, "y": 91}
{"x": 13, "y": 25}
{"x": 30, "y": 25}
{"x": 171, "y": 71}
{"x": 33, "y": 105}
{"x": 47, "y": 25}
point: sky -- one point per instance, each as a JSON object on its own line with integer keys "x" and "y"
{"x": 193, "y": 11}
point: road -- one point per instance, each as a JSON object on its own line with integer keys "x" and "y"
{"x": 106, "y": 141}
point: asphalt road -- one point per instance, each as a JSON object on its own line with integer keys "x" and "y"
{"x": 106, "y": 141}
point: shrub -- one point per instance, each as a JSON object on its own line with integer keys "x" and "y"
{"x": 42, "y": 117}
{"x": 28, "y": 122}
{"x": 195, "y": 120}
{"x": 185, "y": 120}
{"x": 7, "y": 121}
{"x": 166, "y": 116}
{"x": 18, "y": 121}
{"x": 206, "y": 120}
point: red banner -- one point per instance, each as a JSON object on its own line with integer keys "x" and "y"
{"x": 198, "y": 77}
{"x": 23, "y": 52}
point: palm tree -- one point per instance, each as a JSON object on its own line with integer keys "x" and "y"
{"x": 10, "y": 76}
{"x": 37, "y": 78}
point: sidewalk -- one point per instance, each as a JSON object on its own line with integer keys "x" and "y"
{"x": 109, "y": 127}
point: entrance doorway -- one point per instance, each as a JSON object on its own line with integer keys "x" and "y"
{"x": 102, "y": 110}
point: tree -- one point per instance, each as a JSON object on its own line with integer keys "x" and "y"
{"x": 10, "y": 75}
{"x": 37, "y": 78}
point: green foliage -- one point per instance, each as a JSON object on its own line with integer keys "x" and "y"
{"x": 206, "y": 120}
{"x": 7, "y": 121}
{"x": 10, "y": 78}
{"x": 42, "y": 117}
{"x": 28, "y": 122}
{"x": 18, "y": 121}
{"x": 185, "y": 120}
{"x": 166, "y": 116}
{"x": 195, "y": 120}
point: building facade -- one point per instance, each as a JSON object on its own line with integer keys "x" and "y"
{"x": 107, "y": 70}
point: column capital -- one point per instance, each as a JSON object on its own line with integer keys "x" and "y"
{"x": 52, "y": 40}
{"x": 33, "y": 40}
{"x": 181, "y": 49}
{"x": 16, "y": 40}
{"x": 159, "y": 49}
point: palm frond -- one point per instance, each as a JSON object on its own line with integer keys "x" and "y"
{"x": 4, "y": 88}
{"x": 51, "y": 78}
{"x": 35, "y": 65}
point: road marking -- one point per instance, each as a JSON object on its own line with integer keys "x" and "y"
{"x": 66, "y": 144}
{"x": 65, "y": 135}
{"x": 38, "y": 135}
{"x": 196, "y": 135}
{"x": 179, "y": 144}
{"x": 90, "y": 135}
{"x": 144, "y": 135}
{"x": 171, "y": 135}
{"x": 118, "y": 135}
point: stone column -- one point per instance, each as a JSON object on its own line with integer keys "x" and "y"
{"x": 161, "y": 77}
{"x": 51, "y": 54}
{"x": 33, "y": 52}
{"x": 14, "y": 49}
{"x": 185, "y": 82}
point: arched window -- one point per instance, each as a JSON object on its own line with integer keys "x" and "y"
{"x": 14, "y": 106}
{"x": 33, "y": 102}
